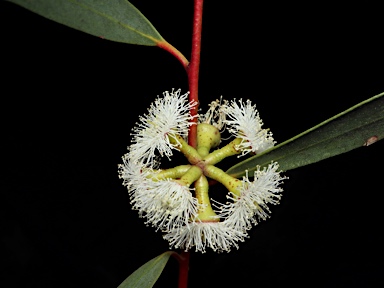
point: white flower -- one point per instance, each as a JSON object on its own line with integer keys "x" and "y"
{"x": 171, "y": 205}
{"x": 200, "y": 235}
{"x": 167, "y": 117}
{"x": 244, "y": 122}
{"x": 135, "y": 177}
{"x": 165, "y": 204}
{"x": 251, "y": 205}
{"x": 215, "y": 114}
{"x": 134, "y": 174}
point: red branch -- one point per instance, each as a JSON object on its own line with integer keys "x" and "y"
{"x": 183, "y": 260}
{"x": 194, "y": 65}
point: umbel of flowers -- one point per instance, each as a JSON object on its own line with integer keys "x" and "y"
{"x": 176, "y": 200}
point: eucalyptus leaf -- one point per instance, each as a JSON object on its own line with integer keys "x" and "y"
{"x": 116, "y": 20}
{"x": 147, "y": 275}
{"x": 358, "y": 126}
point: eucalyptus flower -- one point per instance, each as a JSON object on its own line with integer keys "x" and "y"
{"x": 165, "y": 203}
{"x": 176, "y": 200}
{"x": 198, "y": 235}
{"x": 167, "y": 117}
{"x": 248, "y": 204}
{"x": 244, "y": 122}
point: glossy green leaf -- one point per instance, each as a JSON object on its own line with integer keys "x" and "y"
{"x": 358, "y": 126}
{"x": 116, "y": 20}
{"x": 147, "y": 275}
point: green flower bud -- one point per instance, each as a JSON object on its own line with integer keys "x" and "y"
{"x": 208, "y": 136}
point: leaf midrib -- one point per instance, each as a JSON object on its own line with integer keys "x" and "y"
{"x": 115, "y": 20}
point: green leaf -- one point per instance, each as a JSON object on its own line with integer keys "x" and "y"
{"x": 358, "y": 126}
{"x": 116, "y": 20}
{"x": 147, "y": 275}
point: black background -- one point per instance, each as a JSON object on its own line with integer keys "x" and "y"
{"x": 69, "y": 101}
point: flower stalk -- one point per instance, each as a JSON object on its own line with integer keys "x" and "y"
{"x": 206, "y": 213}
{"x": 220, "y": 154}
{"x": 189, "y": 151}
{"x": 190, "y": 176}
{"x": 173, "y": 173}
{"x": 219, "y": 175}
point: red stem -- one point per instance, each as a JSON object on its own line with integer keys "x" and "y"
{"x": 183, "y": 260}
{"x": 194, "y": 65}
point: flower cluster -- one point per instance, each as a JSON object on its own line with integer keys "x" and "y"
{"x": 176, "y": 200}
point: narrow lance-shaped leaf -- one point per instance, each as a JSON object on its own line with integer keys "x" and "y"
{"x": 147, "y": 275}
{"x": 116, "y": 20}
{"x": 358, "y": 126}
